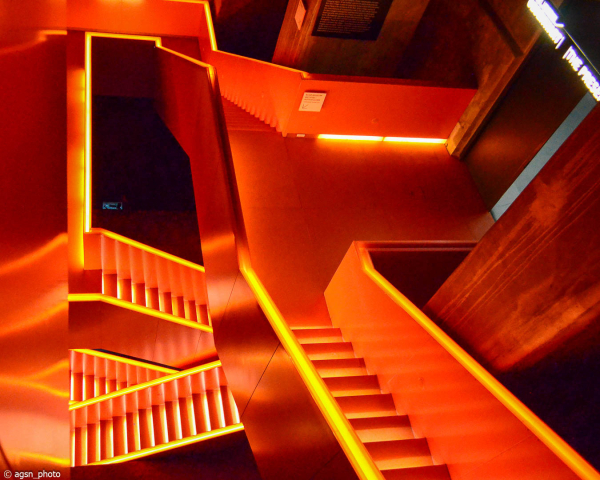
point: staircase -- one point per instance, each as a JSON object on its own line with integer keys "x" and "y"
{"x": 142, "y": 275}
{"x": 237, "y": 118}
{"x": 123, "y": 409}
{"x": 386, "y": 433}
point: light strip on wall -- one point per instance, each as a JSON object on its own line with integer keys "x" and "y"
{"x": 128, "y": 361}
{"x": 146, "y": 248}
{"x": 439, "y": 141}
{"x": 555, "y": 443}
{"x": 353, "y": 448}
{"x": 87, "y": 195}
{"x": 367, "y": 138}
{"x": 327, "y": 136}
{"x": 171, "y": 445}
{"x": 142, "y": 386}
{"x": 99, "y": 297}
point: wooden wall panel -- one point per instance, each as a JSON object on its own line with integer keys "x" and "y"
{"x": 532, "y": 283}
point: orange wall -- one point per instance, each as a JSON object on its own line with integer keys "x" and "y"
{"x": 33, "y": 263}
{"x": 305, "y": 200}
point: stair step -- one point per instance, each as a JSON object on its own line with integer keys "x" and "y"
{"x": 323, "y": 351}
{"x": 318, "y": 335}
{"x": 367, "y": 406}
{"x": 392, "y": 454}
{"x": 379, "y": 429}
{"x": 356, "y": 385}
{"x": 429, "y": 472}
{"x": 344, "y": 367}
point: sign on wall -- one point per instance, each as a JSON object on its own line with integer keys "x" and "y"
{"x": 548, "y": 18}
{"x": 351, "y": 19}
{"x": 312, "y": 101}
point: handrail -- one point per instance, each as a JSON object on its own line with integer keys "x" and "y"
{"x": 354, "y": 449}
{"x": 146, "y": 248}
{"x": 542, "y": 431}
{"x": 128, "y": 361}
{"x": 171, "y": 445}
{"x": 142, "y": 386}
{"x": 100, "y": 297}
{"x": 343, "y": 431}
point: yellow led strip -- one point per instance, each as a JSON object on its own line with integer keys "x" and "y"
{"x": 548, "y": 436}
{"x": 337, "y": 421}
{"x": 99, "y": 297}
{"x": 147, "y": 248}
{"x": 327, "y": 136}
{"x": 129, "y": 361}
{"x": 366, "y": 138}
{"x": 439, "y": 141}
{"x": 171, "y": 445}
{"x": 142, "y": 386}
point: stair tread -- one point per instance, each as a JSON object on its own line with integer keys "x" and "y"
{"x": 353, "y": 385}
{"x": 363, "y": 406}
{"x": 428, "y": 472}
{"x": 319, "y": 351}
{"x": 406, "y": 453}
{"x": 375, "y": 429}
{"x": 318, "y": 335}
{"x": 339, "y": 367}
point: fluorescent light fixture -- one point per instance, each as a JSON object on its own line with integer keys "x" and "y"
{"x": 439, "y": 141}
{"x": 367, "y": 138}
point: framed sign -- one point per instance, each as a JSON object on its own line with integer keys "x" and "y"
{"x": 351, "y": 19}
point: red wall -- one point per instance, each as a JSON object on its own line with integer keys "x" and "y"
{"x": 33, "y": 263}
{"x": 305, "y": 200}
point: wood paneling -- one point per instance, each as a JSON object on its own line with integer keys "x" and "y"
{"x": 542, "y": 95}
{"x": 299, "y": 49}
{"x": 532, "y": 283}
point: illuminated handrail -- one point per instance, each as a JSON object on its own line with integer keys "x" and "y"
{"x": 353, "y": 448}
{"x": 542, "y": 431}
{"x": 99, "y": 297}
{"x": 171, "y": 445}
{"x": 146, "y": 248}
{"x": 343, "y": 431}
{"x": 128, "y": 361}
{"x": 143, "y": 386}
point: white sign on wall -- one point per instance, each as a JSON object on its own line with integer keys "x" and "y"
{"x": 548, "y": 19}
{"x": 312, "y": 101}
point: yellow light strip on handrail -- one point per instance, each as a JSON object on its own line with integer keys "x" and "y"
{"x": 171, "y": 445}
{"x": 99, "y": 297}
{"x": 355, "y": 450}
{"x": 546, "y": 435}
{"x": 147, "y": 248}
{"x": 87, "y": 195}
{"x": 328, "y": 136}
{"x": 128, "y": 361}
{"x": 142, "y": 386}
